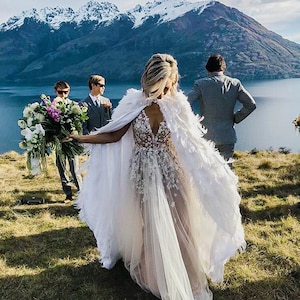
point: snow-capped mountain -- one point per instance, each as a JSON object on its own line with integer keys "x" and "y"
{"x": 105, "y": 12}
{"x": 167, "y": 10}
{"x": 54, "y": 17}
{"x": 95, "y": 11}
{"x": 44, "y": 45}
{"x": 51, "y": 16}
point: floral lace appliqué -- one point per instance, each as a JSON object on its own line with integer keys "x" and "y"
{"x": 153, "y": 155}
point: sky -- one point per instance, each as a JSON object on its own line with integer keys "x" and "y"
{"x": 282, "y": 17}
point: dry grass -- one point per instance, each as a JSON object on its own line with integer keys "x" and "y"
{"x": 47, "y": 253}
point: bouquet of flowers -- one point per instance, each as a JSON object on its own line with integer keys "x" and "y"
{"x": 45, "y": 126}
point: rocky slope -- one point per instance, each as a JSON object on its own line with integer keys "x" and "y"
{"x": 56, "y": 43}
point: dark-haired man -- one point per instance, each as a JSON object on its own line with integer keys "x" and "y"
{"x": 217, "y": 95}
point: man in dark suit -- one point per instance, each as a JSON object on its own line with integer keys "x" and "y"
{"x": 99, "y": 107}
{"x": 217, "y": 95}
{"x": 62, "y": 90}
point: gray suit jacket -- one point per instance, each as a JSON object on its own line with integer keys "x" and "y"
{"x": 217, "y": 96}
{"x": 98, "y": 116}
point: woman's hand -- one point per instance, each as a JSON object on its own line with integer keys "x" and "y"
{"x": 101, "y": 138}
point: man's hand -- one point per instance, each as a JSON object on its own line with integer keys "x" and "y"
{"x": 75, "y": 137}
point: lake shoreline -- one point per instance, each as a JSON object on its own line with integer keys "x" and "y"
{"x": 268, "y": 127}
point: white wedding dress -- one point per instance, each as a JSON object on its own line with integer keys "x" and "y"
{"x": 166, "y": 216}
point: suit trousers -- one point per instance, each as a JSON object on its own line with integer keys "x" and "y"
{"x": 63, "y": 173}
{"x": 226, "y": 150}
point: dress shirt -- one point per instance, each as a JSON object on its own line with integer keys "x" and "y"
{"x": 96, "y": 100}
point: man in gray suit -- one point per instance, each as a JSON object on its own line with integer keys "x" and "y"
{"x": 99, "y": 107}
{"x": 217, "y": 95}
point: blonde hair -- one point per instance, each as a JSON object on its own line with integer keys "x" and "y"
{"x": 158, "y": 69}
{"x": 95, "y": 79}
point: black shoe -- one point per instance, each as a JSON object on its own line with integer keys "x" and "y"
{"x": 69, "y": 198}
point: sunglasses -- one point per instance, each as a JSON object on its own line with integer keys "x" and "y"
{"x": 100, "y": 84}
{"x": 62, "y": 92}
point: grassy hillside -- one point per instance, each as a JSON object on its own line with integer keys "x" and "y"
{"x": 46, "y": 252}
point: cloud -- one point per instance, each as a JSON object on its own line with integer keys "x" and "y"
{"x": 282, "y": 17}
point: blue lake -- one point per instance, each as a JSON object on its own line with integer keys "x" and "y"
{"x": 269, "y": 126}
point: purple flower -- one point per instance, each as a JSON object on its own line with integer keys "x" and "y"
{"x": 54, "y": 113}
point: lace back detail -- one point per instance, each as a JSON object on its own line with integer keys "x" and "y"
{"x": 152, "y": 151}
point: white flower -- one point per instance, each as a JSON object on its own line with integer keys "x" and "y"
{"x": 27, "y": 133}
{"x": 22, "y": 124}
{"x": 68, "y": 101}
{"x": 76, "y": 109}
{"x": 44, "y": 97}
{"x": 40, "y": 117}
{"x": 34, "y": 105}
{"x": 58, "y": 100}
{"x": 22, "y": 145}
{"x": 29, "y": 146}
{"x": 29, "y": 121}
{"x": 39, "y": 129}
{"x": 27, "y": 112}
{"x": 34, "y": 140}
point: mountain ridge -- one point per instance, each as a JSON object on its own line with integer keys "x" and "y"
{"x": 104, "y": 12}
{"x": 98, "y": 38}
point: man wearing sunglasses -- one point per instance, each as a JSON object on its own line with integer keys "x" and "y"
{"x": 62, "y": 90}
{"x": 99, "y": 107}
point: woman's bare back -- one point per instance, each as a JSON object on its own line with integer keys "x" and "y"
{"x": 155, "y": 117}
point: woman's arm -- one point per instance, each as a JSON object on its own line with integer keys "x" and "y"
{"x": 101, "y": 138}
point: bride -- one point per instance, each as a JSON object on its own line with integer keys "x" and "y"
{"x": 158, "y": 195}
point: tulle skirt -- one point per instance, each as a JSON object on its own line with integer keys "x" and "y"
{"x": 154, "y": 232}
{"x": 166, "y": 260}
